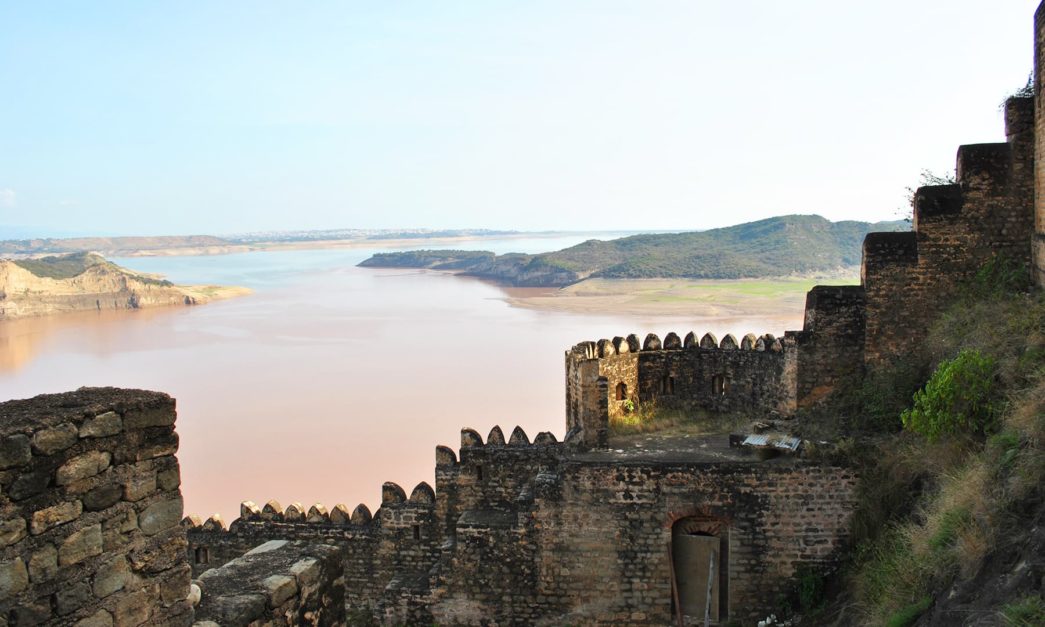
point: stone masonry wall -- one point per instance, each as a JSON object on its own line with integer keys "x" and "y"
{"x": 774, "y": 518}
{"x": 756, "y": 375}
{"x": 525, "y": 533}
{"x": 91, "y": 503}
{"x": 1038, "y": 242}
{"x": 831, "y": 344}
{"x": 276, "y": 583}
{"x": 957, "y": 228}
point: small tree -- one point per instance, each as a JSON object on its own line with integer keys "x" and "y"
{"x": 959, "y": 398}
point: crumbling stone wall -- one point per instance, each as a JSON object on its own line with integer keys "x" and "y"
{"x": 755, "y": 375}
{"x": 830, "y": 346}
{"x": 1038, "y": 242}
{"x": 545, "y": 533}
{"x": 957, "y": 228}
{"x": 91, "y": 503}
{"x": 275, "y": 583}
{"x": 775, "y": 517}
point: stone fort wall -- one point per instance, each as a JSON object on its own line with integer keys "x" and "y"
{"x": 541, "y": 533}
{"x": 91, "y": 506}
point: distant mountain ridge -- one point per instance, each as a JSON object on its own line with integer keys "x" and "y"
{"x": 781, "y": 246}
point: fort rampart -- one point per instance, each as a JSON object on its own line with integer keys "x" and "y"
{"x": 518, "y": 531}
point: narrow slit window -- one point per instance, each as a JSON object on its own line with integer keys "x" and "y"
{"x": 417, "y": 532}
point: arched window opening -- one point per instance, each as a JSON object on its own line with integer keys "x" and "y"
{"x": 667, "y": 385}
{"x": 700, "y": 569}
{"x": 202, "y": 555}
{"x": 719, "y": 385}
{"x": 622, "y": 391}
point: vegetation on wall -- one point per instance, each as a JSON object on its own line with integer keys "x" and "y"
{"x": 965, "y": 472}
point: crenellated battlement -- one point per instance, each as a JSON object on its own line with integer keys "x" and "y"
{"x": 630, "y": 345}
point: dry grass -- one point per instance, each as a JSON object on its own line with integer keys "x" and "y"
{"x": 650, "y": 418}
{"x": 971, "y": 489}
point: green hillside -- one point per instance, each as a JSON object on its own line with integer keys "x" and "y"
{"x": 780, "y": 246}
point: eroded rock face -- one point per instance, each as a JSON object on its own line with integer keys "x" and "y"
{"x": 101, "y": 285}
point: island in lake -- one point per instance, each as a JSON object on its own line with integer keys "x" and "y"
{"x": 87, "y": 281}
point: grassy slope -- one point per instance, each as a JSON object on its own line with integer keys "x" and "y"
{"x": 780, "y": 246}
{"x": 62, "y": 267}
{"x": 941, "y": 524}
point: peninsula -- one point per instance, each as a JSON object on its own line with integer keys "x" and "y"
{"x": 86, "y": 281}
{"x": 784, "y": 246}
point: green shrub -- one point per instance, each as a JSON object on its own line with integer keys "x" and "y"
{"x": 810, "y": 589}
{"x": 1000, "y": 275}
{"x": 960, "y": 397}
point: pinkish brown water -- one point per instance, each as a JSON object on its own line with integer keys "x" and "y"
{"x": 329, "y": 379}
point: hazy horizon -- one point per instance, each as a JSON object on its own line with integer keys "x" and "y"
{"x": 234, "y": 117}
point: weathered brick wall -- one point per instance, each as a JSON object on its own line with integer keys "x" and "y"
{"x": 276, "y": 583}
{"x": 987, "y": 213}
{"x": 606, "y": 532}
{"x": 385, "y": 557}
{"x": 91, "y": 503}
{"x": 756, "y": 375}
{"x": 830, "y": 347}
{"x": 1039, "y": 148}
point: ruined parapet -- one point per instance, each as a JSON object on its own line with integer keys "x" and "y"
{"x": 276, "y": 583}
{"x": 607, "y": 379}
{"x": 831, "y": 343}
{"x": 91, "y": 504}
{"x": 1038, "y": 243}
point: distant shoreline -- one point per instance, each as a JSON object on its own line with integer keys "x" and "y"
{"x": 226, "y": 248}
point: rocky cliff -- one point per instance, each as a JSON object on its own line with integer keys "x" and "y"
{"x": 87, "y": 281}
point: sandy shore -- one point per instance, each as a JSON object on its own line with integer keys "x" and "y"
{"x": 771, "y": 299}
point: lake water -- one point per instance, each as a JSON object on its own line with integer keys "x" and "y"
{"x": 330, "y": 379}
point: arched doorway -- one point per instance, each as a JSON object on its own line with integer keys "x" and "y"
{"x": 700, "y": 561}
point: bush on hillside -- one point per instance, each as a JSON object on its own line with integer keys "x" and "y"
{"x": 960, "y": 397}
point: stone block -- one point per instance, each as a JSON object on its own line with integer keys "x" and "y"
{"x": 102, "y": 426}
{"x": 139, "y": 486}
{"x": 143, "y": 419}
{"x": 160, "y": 516}
{"x": 35, "y": 612}
{"x": 307, "y": 571}
{"x": 11, "y": 530}
{"x": 279, "y": 588}
{"x": 133, "y": 609}
{"x": 55, "y": 515}
{"x": 101, "y": 618}
{"x": 102, "y": 497}
{"x": 83, "y": 466}
{"x": 82, "y": 544}
{"x": 43, "y": 565}
{"x": 168, "y": 479}
{"x": 111, "y": 577}
{"x": 30, "y": 483}
{"x": 55, "y": 439}
{"x": 175, "y": 584}
{"x": 71, "y": 597}
{"x": 14, "y": 451}
{"x": 13, "y": 578}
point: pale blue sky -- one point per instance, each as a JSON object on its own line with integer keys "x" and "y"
{"x": 216, "y": 117}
